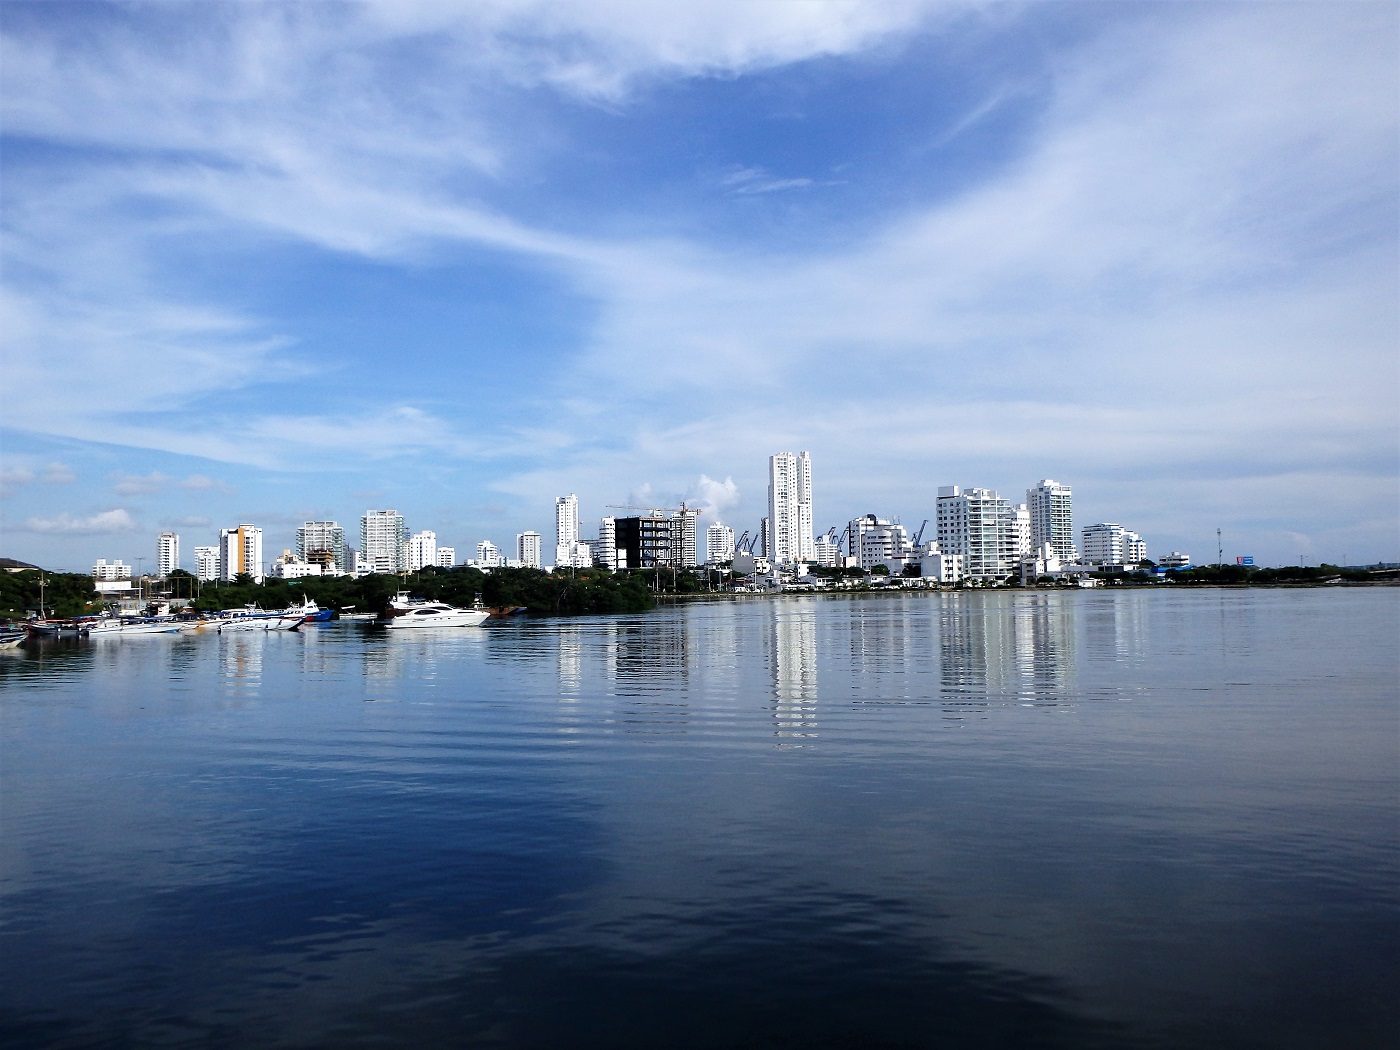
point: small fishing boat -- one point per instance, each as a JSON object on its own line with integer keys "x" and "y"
{"x": 10, "y": 637}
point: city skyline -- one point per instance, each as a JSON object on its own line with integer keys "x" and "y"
{"x": 458, "y": 261}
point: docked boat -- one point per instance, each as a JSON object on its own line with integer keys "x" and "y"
{"x": 10, "y": 637}
{"x": 59, "y": 628}
{"x": 436, "y": 614}
{"x": 251, "y": 618}
{"x": 309, "y": 611}
{"x": 127, "y": 626}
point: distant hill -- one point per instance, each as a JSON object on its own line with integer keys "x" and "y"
{"x": 10, "y": 565}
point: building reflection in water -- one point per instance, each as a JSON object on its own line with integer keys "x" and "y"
{"x": 569, "y": 659}
{"x": 240, "y": 659}
{"x": 794, "y": 666}
{"x": 647, "y": 664}
{"x": 1007, "y": 648}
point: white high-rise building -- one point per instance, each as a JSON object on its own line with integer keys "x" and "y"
{"x": 167, "y": 553}
{"x": 1134, "y": 548}
{"x": 605, "y": 550}
{"x": 983, "y": 528}
{"x": 527, "y": 549}
{"x": 828, "y": 550}
{"x": 790, "y": 508}
{"x": 1104, "y": 543}
{"x": 488, "y": 555}
{"x": 315, "y": 539}
{"x": 876, "y": 541}
{"x": 240, "y": 552}
{"x": 422, "y": 550}
{"x": 1051, "y": 507}
{"x": 206, "y": 563}
{"x": 719, "y": 544}
{"x": 384, "y": 541}
{"x": 446, "y": 557}
{"x": 683, "y": 553}
{"x": 1019, "y": 532}
{"x": 565, "y": 530}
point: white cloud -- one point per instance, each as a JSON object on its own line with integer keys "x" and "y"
{"x": 101, "y": 524}
{"x": 713, "y": 497}
{"x": 58, "y": 474}
{"x": 136, "y": 485}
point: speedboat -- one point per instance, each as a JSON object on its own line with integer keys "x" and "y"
{"x": 437, "y": 614}
{"x": 251, "y": 618}
{"x": 10, "y": 637}
{"x": 124, "y": 626}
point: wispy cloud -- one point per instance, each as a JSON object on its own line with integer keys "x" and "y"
{"x": 746, "y": 181}
{"x": 104, "y": 523}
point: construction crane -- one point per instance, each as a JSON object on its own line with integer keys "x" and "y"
{"x": 743, "y": 545}
{"x": 653, "y": 509}
{"x": 919, "y": 536}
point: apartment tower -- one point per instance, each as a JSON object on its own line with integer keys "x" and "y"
{"x": 790, "y": 508}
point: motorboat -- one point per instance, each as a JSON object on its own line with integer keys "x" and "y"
{"x": 309, "y": 611}
{"x": 265, "y": 622}
{"x": 251, "y": 618}
{"x": 437, "y": 614}
{"x": 125, "y": 626}
{"x": 10, "y": 637}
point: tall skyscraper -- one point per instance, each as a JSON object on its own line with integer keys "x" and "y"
{"x": 790, "y": 508}
{"x": 527, "y": 549}
{"x": 566, "y": 531}
{"x": 384, "y": 541}
{"x": 719, "y": 544}
{"x": 167, "y": 553}
{"x": 323, "y": 536}
{"x": 1050, "y": 504}
{"x": 422, "y": 550}
{"x": 240, "y": 551}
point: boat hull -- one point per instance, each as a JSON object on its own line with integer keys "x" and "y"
{"x": 457, "y": 618}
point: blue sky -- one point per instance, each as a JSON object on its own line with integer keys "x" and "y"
{"x": 272, "y": 262}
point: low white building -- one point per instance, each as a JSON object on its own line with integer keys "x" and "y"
{"x": 488, "y": 555}
{"x": 935, "y": 565}
{"x": 111, "y": 570}
{"x": 288, "y": 566}
{"x": 446, "y": 557}
{"x": 1175, "y": 560}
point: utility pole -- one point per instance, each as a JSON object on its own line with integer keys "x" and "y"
{"x": 1219, "y": 550}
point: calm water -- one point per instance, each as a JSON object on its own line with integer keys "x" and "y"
{"x": 1146, "y": 818}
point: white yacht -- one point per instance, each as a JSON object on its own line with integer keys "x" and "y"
{"x": 126, "y": 626}
{"x": 436, "y": 614}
